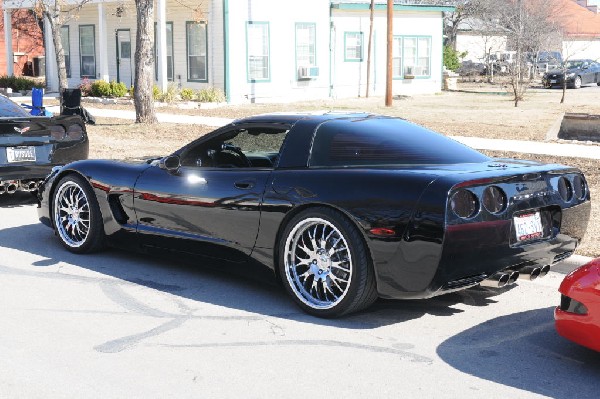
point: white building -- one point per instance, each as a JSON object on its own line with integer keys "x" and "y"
{"x": 256, "y": 50}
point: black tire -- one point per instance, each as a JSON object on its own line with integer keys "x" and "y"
{"x": 577, "y": 82}
{"x": 324, "y": 264}
{"x": 76, "y": 215}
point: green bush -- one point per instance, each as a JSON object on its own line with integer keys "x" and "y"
{"x": 131, "y": 90}
{"x": 187, "y": 94}
{"x": 117, "y": 89}
{"x": 101, "y": 88}
{"x": 156, "y": 93}
{"x": 452, "y": 58}
{"x": 211, "y": 95}
{"x": 19, "y": 83}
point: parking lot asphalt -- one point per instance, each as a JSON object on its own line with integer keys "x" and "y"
{"x": 116, "y": 324}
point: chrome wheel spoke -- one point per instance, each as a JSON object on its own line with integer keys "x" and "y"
{"x": 318, "y": 263}
{"x": 72, "y": 214}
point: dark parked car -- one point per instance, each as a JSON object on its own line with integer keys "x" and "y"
{"x": 31, "y": 145}
{"x": 341, "y": 208}
{"x": 579, "y": 73}
{"x": 578, "y": 316}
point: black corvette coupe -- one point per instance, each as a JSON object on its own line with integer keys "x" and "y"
{"x": 31, "y": 145}
{"x": 341, "y": 208}
{"x": 578, "y": 72}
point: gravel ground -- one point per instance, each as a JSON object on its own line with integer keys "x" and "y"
{"x": 480, "y": 111}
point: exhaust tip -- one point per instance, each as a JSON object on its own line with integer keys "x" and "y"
{"x": 544, "y": 270}
{"x": 513, "y": 277}
{"x": 11, "y": 188}
{"x": 530, "y": 273}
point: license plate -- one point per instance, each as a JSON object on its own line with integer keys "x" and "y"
{"x": 20, "y": 154}
{"x": 552, "y": 80}
{"x": 528, "y": 226}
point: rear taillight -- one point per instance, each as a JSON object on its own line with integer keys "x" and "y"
{"x": 494, "y": 199}
{"x": 464, "y": 204}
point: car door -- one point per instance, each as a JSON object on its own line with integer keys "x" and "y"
{"x": 210, "y": 205}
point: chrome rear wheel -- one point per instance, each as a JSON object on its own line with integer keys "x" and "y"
{"x": 318, "y": 263}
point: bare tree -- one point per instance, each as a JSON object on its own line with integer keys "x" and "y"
{"x": 58, "y": 13}
{"x": 528, "y": 25}
{"x": 144, "y": 63}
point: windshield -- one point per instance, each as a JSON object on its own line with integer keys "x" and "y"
{"x": 574, "y": 64}
{"x": 9, "y": 109}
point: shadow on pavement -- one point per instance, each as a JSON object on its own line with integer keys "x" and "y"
{"x": 17, "y": 199}
{"x": 207, "y": 285}
{"x": 524, "y": 351}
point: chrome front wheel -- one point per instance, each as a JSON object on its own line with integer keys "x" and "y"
{"x": 76, "y": 215}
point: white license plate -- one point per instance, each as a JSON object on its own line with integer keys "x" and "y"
{"x": 20, "y": 154}
{"x": 552, "y": 80}
{"x": 528, "y": 226}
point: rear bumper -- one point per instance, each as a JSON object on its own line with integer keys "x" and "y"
{"x": 473, "y": 253}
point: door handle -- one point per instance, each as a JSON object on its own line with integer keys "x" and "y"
{"x": 244, "y": 184}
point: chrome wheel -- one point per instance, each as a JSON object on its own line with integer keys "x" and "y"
{"x": 318, "y": 263}
{"x": 72, "y": 214}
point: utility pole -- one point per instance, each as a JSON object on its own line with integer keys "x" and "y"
{"x": 390, "y": 39}
{"x": 370, "y": 47}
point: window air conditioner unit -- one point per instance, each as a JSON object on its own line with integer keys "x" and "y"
{"x": 308, "y": 72}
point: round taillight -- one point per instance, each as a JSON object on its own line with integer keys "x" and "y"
{"x": 464, "y": 204}
{"x": 494, "y": 199}
{"x": 565, "y": 189}
{"x": 579, "y": 187}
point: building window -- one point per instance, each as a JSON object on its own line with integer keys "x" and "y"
{"x": 397, "y": 57}
{"x": 306, "y": 45}
{"x": 257, "y": 50}
{"x": 417, "y": 56}
{"x": 353, "y": 46}
{"x": 87, "y": 51}
{"x": 196, "y": 51}
{"x": 64, "y": 39}
{"x": 170, "y": 65}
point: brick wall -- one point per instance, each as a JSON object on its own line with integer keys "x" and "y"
{"x": 27, "y": 41}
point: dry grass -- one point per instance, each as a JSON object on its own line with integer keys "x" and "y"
{"x": 491, "y": 114}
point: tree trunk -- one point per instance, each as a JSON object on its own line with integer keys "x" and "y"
{"x": 59, "y": 52}
{"x": 144, "y": 63}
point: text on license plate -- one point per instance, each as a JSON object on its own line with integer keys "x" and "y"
{"x": 552, "y": 80}
{"x": 20, "y": 154}
{"x": 528, "y": 226}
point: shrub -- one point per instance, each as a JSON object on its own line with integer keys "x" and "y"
{"x": 131, "y": 91}
{"x": 101, "y": 88}
{"x": 451, "y": 58}
{"x": 156, "y": 93}
{"x": 19, "y": 83}
{"x": 187, "y": 94}
{"x": 171, "y": 94}
{"x": 117, "y": 89}
{"x": 211, "y": 95}
{"x": 86, "y": 87}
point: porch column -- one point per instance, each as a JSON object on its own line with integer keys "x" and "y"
{"x": 51, "y": 66}
{"x": 161, "y": 38}
{"x": 10, "y": 70}
{"x": 102, "y": 42}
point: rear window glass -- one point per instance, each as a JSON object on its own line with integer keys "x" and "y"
{"x": 385, "y": 141}
{"x": 9, "y": 109}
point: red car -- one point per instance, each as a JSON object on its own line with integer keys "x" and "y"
{"x": 578, "y": 316}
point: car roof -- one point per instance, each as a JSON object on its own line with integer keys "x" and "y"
{"x": 293, "y": 117}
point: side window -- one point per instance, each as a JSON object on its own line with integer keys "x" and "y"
{"x": 241, "y": 148}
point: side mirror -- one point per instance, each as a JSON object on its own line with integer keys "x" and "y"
{"x": 170, "y": 163}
